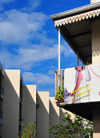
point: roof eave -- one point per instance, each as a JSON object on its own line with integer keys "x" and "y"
{"x": 75, "y": 11}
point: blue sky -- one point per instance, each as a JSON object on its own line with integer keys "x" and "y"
{"x": 28, "y": 39}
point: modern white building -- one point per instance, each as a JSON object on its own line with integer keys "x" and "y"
{"x": 22, "y": 104}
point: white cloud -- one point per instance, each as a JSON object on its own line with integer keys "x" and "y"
{"x": 51, "y": 72}
{"x": 37, "y": 78}
{"x": 5, "y": 57}
{"x": 26, "y": 31}
{"x": 26, "y": 58}
{"x": 32, "y": 5}
{"x": 2, "y": 2}
{"x": 19, "y": 27}
{"x": 66, "y": 50}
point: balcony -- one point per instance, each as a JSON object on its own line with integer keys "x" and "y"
{"x": 2, "y": 93}
{"x": 80, "y": 93}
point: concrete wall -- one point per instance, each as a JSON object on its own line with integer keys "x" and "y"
{"x": 29, "y": 104}
{"x": 96, "y": 126}
{"x": 43, "y": 114}
{"x": 96, "y": 123}
{"x": 62, "y": 116}
{"x": 96, "y": 41}
{"x": 96, "y": 59}
{"x": 10, "y": 107}
{"x": 54, "y": 114}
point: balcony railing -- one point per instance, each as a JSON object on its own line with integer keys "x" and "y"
{"x": 59, "y": 79}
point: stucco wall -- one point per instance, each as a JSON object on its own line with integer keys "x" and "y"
{"x": 96, "y": 41}
{"x": 43, "y": 114}
{"x": 10, "y": 107}
{"x": 62, "y": 115}
{"x": 54, "y": 114}
{"x": 29, "y": 104}
{"x": 96, "y": 123}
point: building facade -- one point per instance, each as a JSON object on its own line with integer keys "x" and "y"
{"x": 22, "y": 104}
{"x": 80, "y": 27}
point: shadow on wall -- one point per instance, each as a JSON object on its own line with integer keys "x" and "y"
{"x": 10, "y": 105}
{"x": 43, "y": 117}
{"x": 62, "y": 116}
{"x": 43, "y": 114}
{"x": 54, "y": 114}
{"x": 29, "y": 104}
{"x": 13, "y": 110}
{"x": 48, "y": 114}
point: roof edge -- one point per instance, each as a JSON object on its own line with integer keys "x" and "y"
{"x": 75, "y": 11}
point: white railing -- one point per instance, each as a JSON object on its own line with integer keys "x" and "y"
{"x": 59, "y": 79}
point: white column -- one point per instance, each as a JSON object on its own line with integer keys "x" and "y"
{"x": 59, "y": 79}
{"x": 96, "y": 41}
{"x": 58, "y": 48}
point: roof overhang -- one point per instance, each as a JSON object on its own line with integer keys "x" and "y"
{"x": 76, "y": 28}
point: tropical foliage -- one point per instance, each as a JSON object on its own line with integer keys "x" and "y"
{"x": 60, "y": 93}
{"x": 78, "y": 127}
{"x": 28, "y": 132}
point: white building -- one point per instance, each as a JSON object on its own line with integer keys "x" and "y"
{"x": 22, "y": 104}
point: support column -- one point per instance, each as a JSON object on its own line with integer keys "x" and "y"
{"x": 59, "y": 57}
{"x": 96, "y": 41}
{"x": 58, "y": 48}
{"x": 96, "y": 123}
